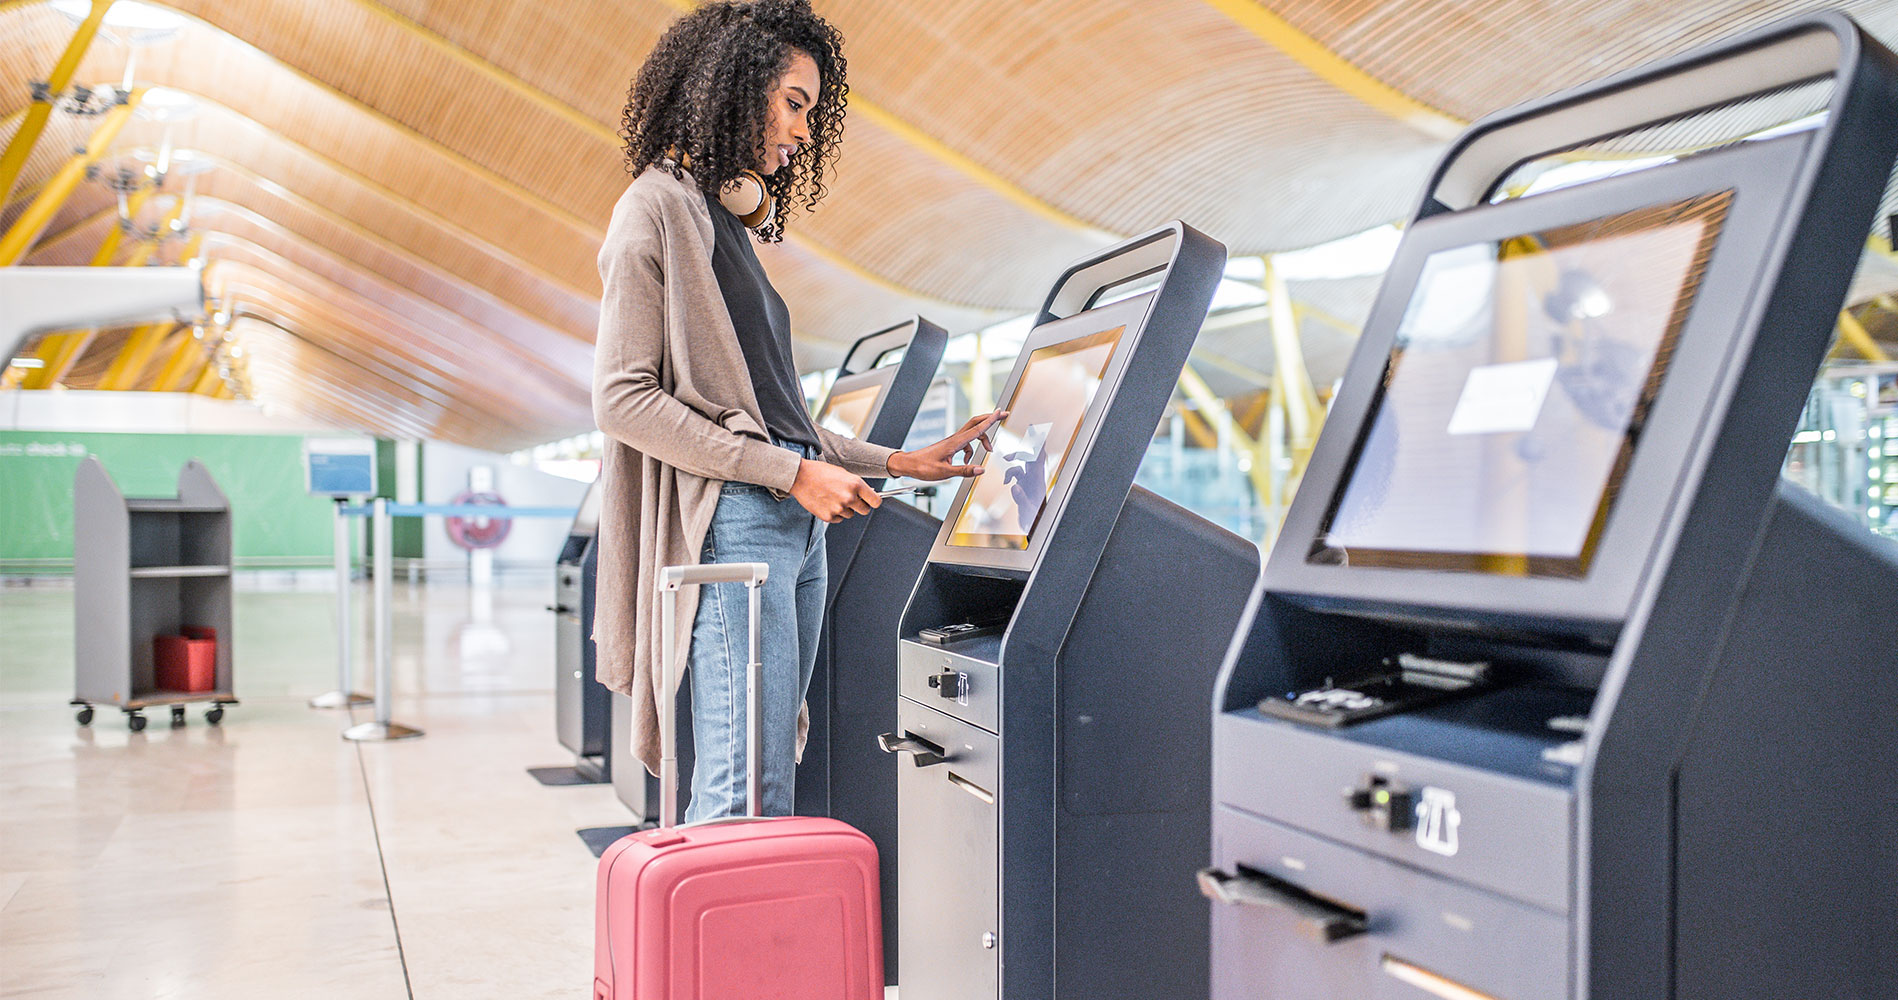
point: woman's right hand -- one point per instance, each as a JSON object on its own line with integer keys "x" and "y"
{"x": 830, "y": 493}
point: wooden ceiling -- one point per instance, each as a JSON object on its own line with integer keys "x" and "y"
{"x": 408, "y": 195}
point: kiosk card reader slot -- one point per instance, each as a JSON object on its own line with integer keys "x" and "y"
{"x": 1620, "y": 743}
{"x": 1056, "y": 658}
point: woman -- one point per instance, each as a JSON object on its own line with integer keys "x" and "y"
{"x": 711, "y": 455}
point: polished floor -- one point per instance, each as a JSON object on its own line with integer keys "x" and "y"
{"x": 266, "y": 857}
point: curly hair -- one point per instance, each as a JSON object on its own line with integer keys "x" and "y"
{"x": 705, "y": 89}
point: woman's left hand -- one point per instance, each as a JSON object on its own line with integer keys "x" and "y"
{"x": 940, "y": 460}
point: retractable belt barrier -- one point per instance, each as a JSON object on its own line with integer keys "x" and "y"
{"x": 383, "y": 558}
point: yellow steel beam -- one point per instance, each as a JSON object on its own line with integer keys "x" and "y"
{"x": 142, "y": 255}
{"x": 181, "y": 369}
{"x": 1197, "y": 429}
{"x": 1853, "y": 332}
{"x": 136, "y": 354}
{"x": 1303, "y": 412}
{"x": 14, "y": 159}
{"x": 1255, "y": 411}
{"x": 1233, "y": 368}
{"x": 208, "y": 379}
{"x": 1336, "y": 70}
{"x": 1257, "y": 451}
{"x": 33, "y": 221}
{"x": 57, "y": 352}
{"x": 109, "y": 246}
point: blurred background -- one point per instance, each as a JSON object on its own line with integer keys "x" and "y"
{"x": 397, "y": 204}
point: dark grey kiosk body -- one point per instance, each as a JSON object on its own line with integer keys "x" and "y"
{"x": 1055, "y": 662}
{"x": 580, "y": 701}
{"x": 1543, "y": 692}
{"x": 879, "y": 387}
{"x": 873, "y": 561}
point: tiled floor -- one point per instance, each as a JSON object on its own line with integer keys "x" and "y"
{"x": 269, "y": 858}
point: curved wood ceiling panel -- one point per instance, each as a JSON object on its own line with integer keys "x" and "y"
{"x": 832, "y": 309}
{"x": 1474, "y": 58}
{"x": 1130, "y": 112}
{"x": 422, "y": 170}
{"x": 481, "y": 117}
{"x": 917, "y": 218}
{"x": 410, "y": 193}
{"x": 340, "y": 210}
{"x": 380, "y": 334}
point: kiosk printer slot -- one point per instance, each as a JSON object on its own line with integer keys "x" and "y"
{"x": 1546, "y": 690}
{"x": 873, "y": 561}
{"x": 878, "y": 389}
{"x": 580, "y": 701}
{"x": 1056, "y": 660}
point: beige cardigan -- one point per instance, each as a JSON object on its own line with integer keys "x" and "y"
{"x": 672, "y": 393}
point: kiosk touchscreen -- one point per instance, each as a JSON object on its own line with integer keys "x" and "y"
{"x": 853, "y": 402}
{"x": 1065, "y": 364}
{"x": 1515, "y": 709}
{"x": 1054, "y": 666}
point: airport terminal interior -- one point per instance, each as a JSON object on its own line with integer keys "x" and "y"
{"x": 1439, "y": 537}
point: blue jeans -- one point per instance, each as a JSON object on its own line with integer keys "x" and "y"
{"x": 750, "y": 526}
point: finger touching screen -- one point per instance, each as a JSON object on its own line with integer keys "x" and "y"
{"x": 1044, "y": 417}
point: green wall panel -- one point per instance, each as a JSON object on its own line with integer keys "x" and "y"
{"x": 274, "y": 522}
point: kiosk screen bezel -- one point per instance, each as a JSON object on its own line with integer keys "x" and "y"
{"x": 1717, "y": 329}
{"x": 1130, "y": 313}
{"x": 880, "y": 378}
{"x": 586, "y": 521}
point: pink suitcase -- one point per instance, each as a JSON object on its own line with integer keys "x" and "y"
{"x": 735, "y": 909}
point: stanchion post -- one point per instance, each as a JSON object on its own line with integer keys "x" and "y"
{"x": 382, "y": 728}
{"x": 341, "y": 696}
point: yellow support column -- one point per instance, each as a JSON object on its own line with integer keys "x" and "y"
{"x": 1258, "y": 464}
{"x": 1304, "y": 414}
{"x": 1853, "y": 332}
{"x": 14, "y": 159}
{"x": 181, "y": 369}
{"x": 135, "y": 356}
{"x": 109, "y": 247}
{"x": 60, "y": 351}
{"x": 144, "y": 342}
{"x": 208, "y": 381}
{"x": 981, "y": 384}
{"x": 32, "y": 222}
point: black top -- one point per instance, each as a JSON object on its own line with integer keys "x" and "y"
{"x": 764, "y": 328}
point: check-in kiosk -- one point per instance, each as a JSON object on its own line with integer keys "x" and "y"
{"x": 878, "y": 389}
{"x": 1550, "y": 687}
{"x": 873, "y": 561}
{"x": 580, "y": 701}
{"x": 1056, "y": 660}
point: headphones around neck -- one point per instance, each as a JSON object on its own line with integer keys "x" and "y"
{"x": 744, "y": 196}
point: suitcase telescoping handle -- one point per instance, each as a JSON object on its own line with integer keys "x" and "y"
{"x": 671, "y": 579}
